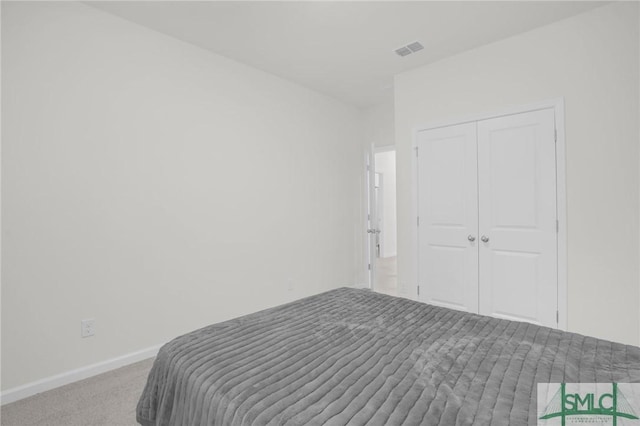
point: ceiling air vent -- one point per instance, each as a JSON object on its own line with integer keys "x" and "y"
{"x": 409, "y": 49}
{"x": 404, "y": 51}
{"x": 415, "y": 46}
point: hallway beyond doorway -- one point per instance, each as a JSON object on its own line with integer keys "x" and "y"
{"x": 386, "y": 277}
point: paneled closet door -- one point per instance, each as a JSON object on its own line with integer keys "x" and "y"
{"x": 517, "y": 204}
{"x": 448, "y": 209}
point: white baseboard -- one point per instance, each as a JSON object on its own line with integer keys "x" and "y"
{"x": 30, "y": 389}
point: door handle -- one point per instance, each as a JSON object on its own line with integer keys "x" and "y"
{"x": 471, "y": 238}
{"x": 485, "y": 239}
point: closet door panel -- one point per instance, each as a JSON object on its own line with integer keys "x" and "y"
{"x": 517, "y": 212}
{"x": 448, "y": 212}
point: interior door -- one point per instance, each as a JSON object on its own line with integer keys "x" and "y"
{"x": 372, "y": 219}
{"x": 517, "y": 203}
{"x": 448, "y": 217}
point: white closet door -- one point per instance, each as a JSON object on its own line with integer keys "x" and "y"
{"x": 448, "y": 212}
{"x": 517, "y": 205}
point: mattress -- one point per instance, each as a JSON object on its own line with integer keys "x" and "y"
{"x": 355, "y": 357}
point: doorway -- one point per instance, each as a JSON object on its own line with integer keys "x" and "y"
{"x": 381, "y": 218}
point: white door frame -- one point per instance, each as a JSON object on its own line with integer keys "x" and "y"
{"x": 369, "y": 170}
{"x": 557, "y": 105}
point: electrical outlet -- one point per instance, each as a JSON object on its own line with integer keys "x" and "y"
{"x": 87, "y": 327}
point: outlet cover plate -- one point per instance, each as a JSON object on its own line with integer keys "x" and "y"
{"x": 87, "y": 327}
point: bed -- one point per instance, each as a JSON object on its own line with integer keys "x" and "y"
{"x": 356, "y": 357}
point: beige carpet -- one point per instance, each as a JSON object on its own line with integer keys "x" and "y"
{"x": 106, "y": 400}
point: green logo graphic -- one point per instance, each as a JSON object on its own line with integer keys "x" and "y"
{"x": 564, "y": 404}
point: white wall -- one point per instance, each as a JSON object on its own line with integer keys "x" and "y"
{"x": 379, "y": 124}
{"x": 592, "y": 61}
{"x": 158, "y": 188}
{"x": 386, "y": 164}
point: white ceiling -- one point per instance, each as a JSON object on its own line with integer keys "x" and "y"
{"x": 343, "y": 49}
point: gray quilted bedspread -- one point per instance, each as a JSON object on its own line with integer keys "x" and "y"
{"x": 354, "y": 357}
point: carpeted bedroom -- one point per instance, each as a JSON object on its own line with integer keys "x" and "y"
{"x": 320, "y": 213}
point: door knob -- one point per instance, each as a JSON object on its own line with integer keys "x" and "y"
{"x": 485, "y": 239}
{"x": 471, "y": 238}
